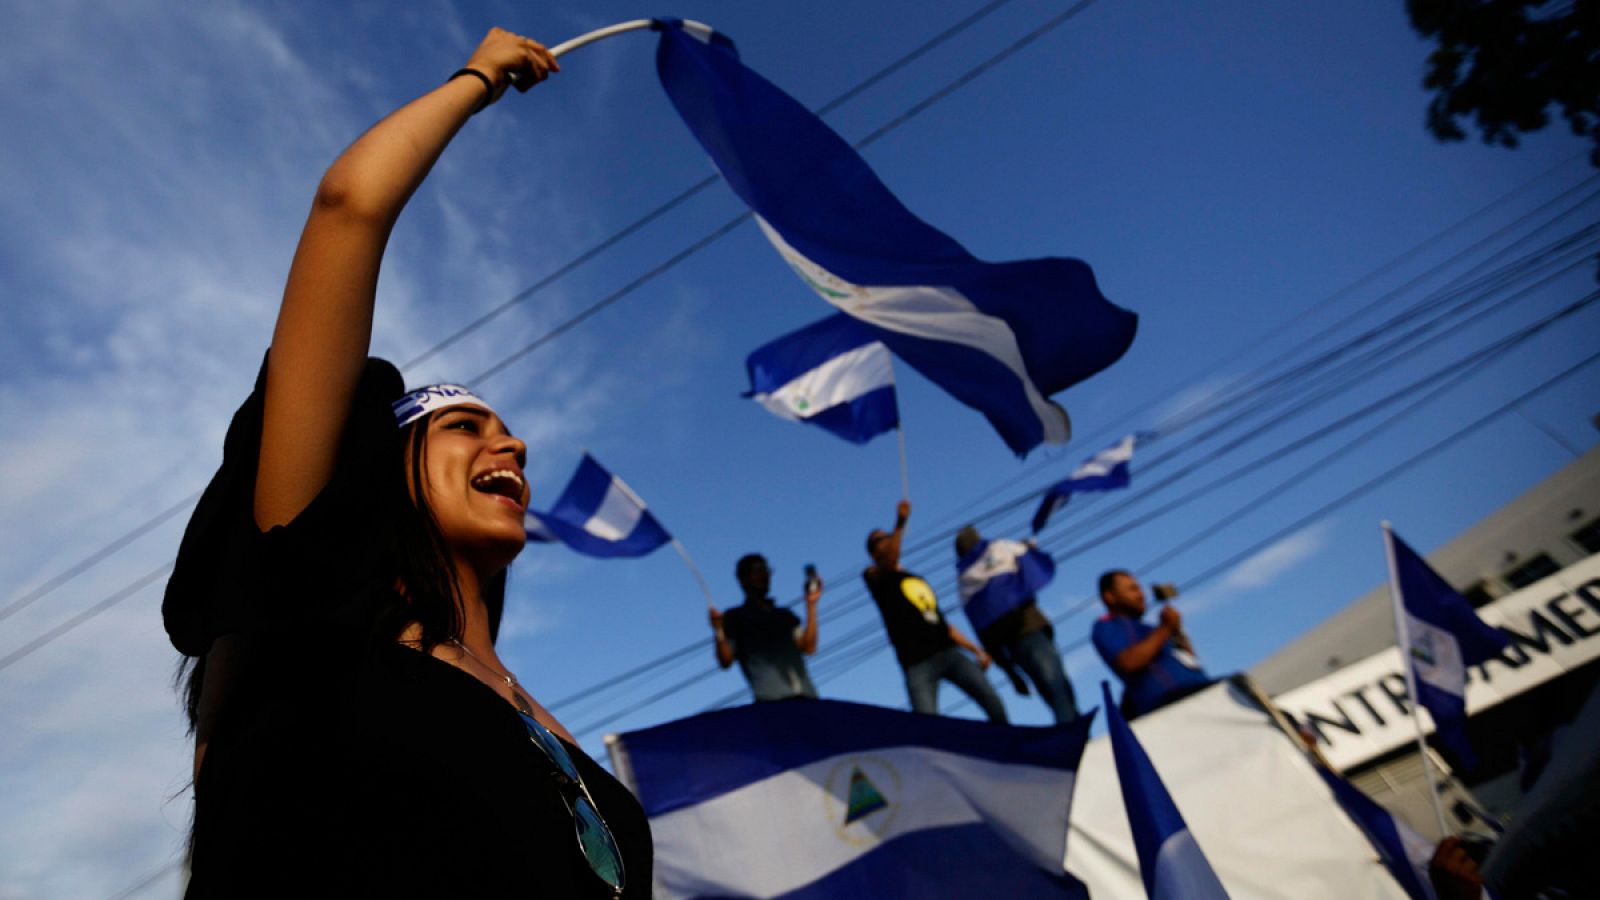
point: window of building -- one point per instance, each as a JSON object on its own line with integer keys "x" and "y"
{"x": 1478, "y": 595}
{"x": 1530, "y": 570}
{"x": 1588, "y": 537}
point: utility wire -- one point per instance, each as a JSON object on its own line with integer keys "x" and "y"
{"x": 1384, "y": 476}
{"x": 138, "y": 530}
{"x": 856, "y": 90}
{"x": 1325, "y": 302}
{"x": 716, "y": 234}
{"x": 50, "y": 635}
{"x": 89, "y": 562}
{"x": 1265, "y": 403}
{"x": 866, "y": 631}
{"x": 856, "y": 646}
{"x": 636, "y": 225}
{"x": 134, "y": 889}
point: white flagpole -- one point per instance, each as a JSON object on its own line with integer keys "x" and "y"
{"x": 900, "y": 438}
{"x": 695, "y": 571}
{"x": 583, "y": 40}
{"x": 1403, "y": 639}
{"x": 905, "y": 478}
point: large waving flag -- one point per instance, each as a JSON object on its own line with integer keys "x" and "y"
{"x": 1440, "y": 636}
{"x": 597, "y": 515}
{"x": 1104, "y": 471}
{"x": 999, "y": 337}
{"x": 1170, "y": 861}
{"x": 996, "y": 577}
{"x": 834, "y": 374}
{"x": 820, "y": 798}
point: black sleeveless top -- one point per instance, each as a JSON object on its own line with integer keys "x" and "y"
{"x": 343, "y": 763}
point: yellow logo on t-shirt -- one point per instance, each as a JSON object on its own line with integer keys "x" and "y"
{"x": 918, "y": 594}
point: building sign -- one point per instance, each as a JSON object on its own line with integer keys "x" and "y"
{"x": 1363, "y": 710}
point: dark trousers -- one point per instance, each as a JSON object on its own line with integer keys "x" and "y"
{"x": 1035, "y": 653}
{"x": 922, "y": 683}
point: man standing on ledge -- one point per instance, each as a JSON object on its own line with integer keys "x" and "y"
{"x": 765, "y": 638}
{"x": 998, "y": 581}
{"x": 1156, "y": 664}
{"x": 928, "y": 647}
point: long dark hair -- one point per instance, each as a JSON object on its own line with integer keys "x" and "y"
{"x": 420, "y": 557}
{"x": 415, "y": 561}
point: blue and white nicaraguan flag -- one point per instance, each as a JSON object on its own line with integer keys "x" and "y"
{"x": 995, "y": 577}
{"x": 999, "y": 337}
{"x": 1170, "y": 861}
{"x": 821, "y": 798}
{"x": 597, "y": 515}
{"x": 1439, "y": 636}
{"x": 1104, "y": 471}
{"x": 834, "y": 374}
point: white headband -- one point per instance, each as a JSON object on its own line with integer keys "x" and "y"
{"x": 422, "y": 401}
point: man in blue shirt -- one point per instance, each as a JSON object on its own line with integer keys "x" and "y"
{"x": 1156, "y": 663}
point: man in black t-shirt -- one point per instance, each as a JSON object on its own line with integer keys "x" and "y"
{"x": 765, "y": 638}
{"x": 928, "y": 647}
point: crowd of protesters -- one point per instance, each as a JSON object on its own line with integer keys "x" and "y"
{"x": 999, "y": 581}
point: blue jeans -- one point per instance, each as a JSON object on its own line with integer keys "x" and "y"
{"x": 1035, "y": 653}
{"x": 922, "y": 683}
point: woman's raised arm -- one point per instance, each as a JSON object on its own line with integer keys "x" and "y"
{"x": 325, "y": 322}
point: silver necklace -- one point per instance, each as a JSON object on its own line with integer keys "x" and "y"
{"x": 511, "y": 680}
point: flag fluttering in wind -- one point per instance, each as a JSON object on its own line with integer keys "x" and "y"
{"x": 999, "y": 337}
{"x": 1170, "y": 861}
{"x": 597, "y": 515}
{"x": 995, "y": 577}
{"x": 834, "y": 374}
{"x": 1104, "y": 471}
{"x": 1439, "y": 636}
{"x": 821, "y": 798}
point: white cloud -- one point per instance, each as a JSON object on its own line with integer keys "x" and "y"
{"x": 1192, "y": 401}
{"x": 168, "y": 170}
{"x": 1262, "y": 569}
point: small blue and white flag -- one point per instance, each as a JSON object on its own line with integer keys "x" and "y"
{"x": 1170, "y": 861}
{"x": 998, "y": 576}
{"x": 834, "y": 374}
{"x": 597, "y": 515}
{"x": 821, "y": 798}
{"x": 1403, "y": 851}
{"x": 1104, "y": 471}
{"x": 1439, "y": 636}
{"x": 999, "y": 337}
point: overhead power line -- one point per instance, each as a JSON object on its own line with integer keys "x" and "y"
{"x": 117, "y": 544}
{"x": 860, "y": 644}
{"x": 716, "y": 234}
{"x": 851, "y": 93}
{"x": 683, "y": 196}
{"x": 867, "y": 631}
{"x": 51, "y": 634}
{"x": 1369, "y": 485}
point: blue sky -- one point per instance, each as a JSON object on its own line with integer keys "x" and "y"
{"x": 1223, "y": 168}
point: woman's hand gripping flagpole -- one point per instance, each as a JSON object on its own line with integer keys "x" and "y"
{"x": 584, "y": 40}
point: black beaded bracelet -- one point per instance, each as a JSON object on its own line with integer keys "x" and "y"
{"x": 488, "y": 86}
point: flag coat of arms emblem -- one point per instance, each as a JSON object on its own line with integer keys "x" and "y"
{"x": 1440, "y": 636}
{"x": 821, "y": 798}
{"x": 834, "y": 374}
